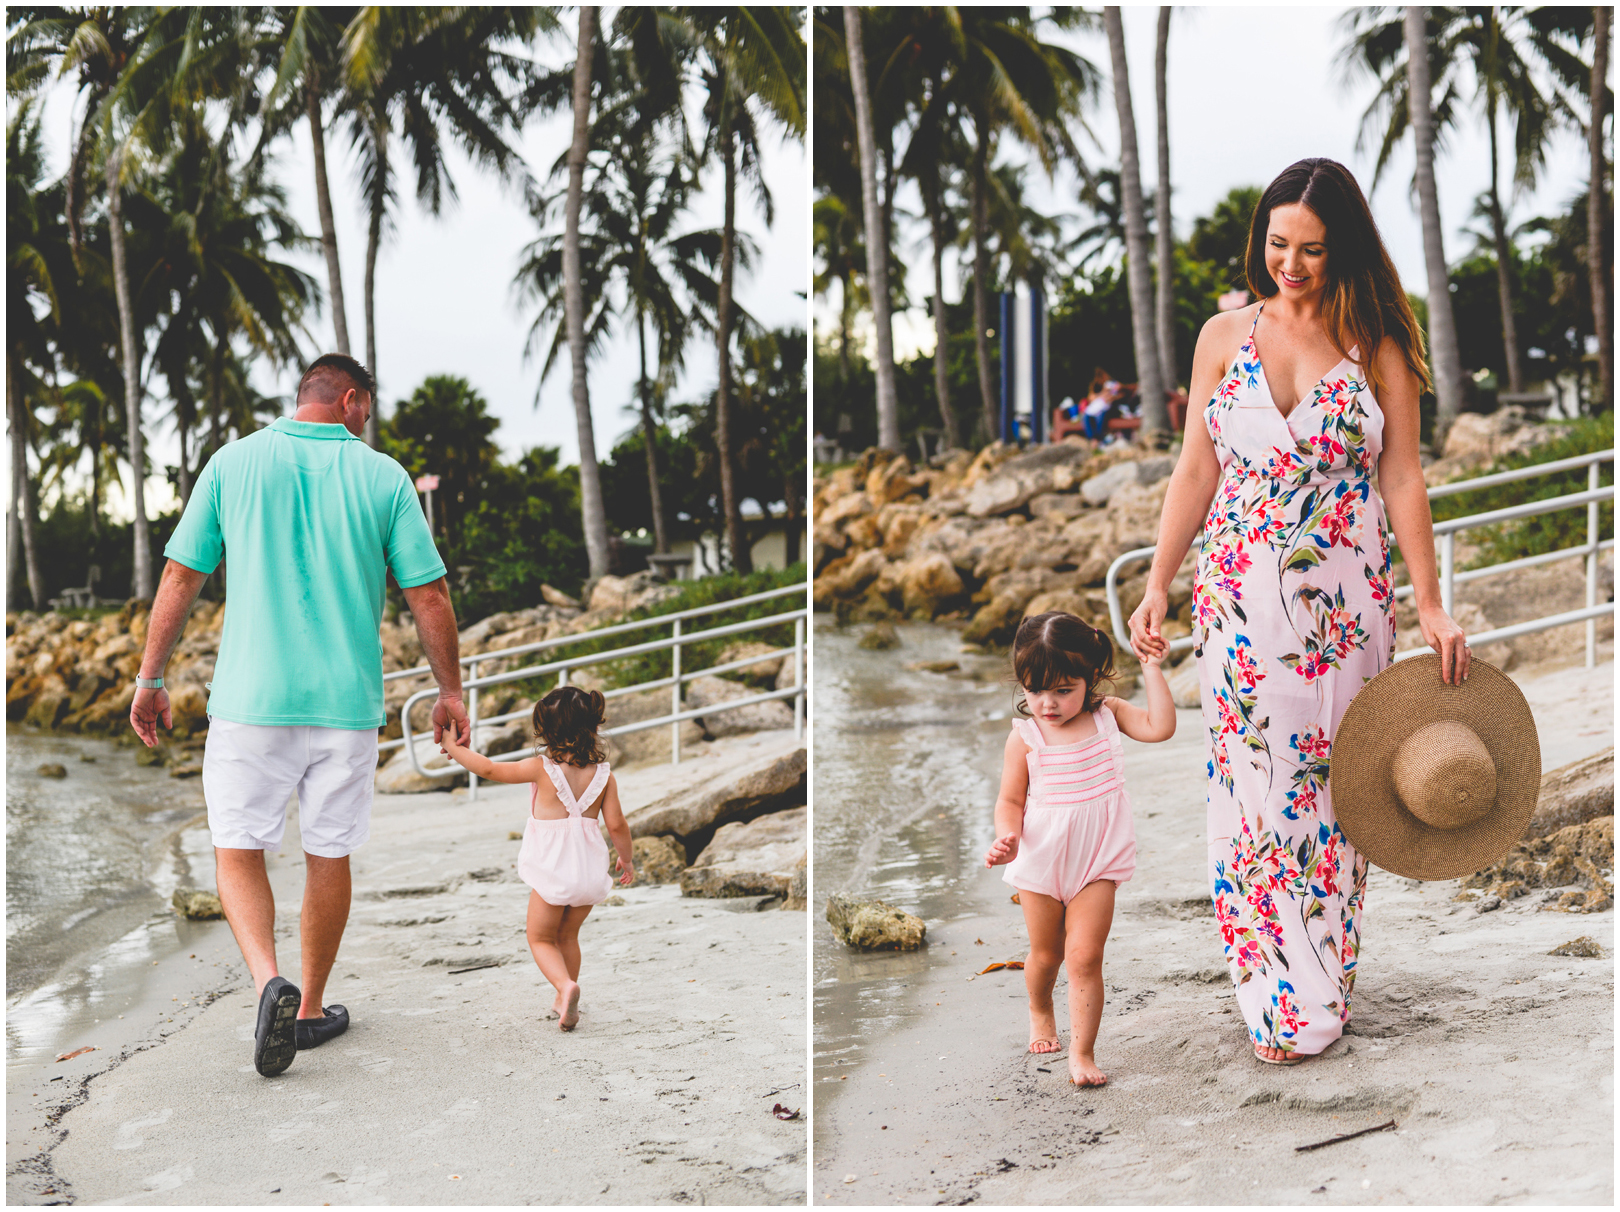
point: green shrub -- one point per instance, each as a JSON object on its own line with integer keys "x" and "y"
{"x": 1545, "y": 532}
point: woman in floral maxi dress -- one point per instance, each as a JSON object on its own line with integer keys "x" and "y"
{"x": 1291, "y": 603}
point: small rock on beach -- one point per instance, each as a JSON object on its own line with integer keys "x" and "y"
{"x": 874, "y": 925}
{"x": 197, "y": 904}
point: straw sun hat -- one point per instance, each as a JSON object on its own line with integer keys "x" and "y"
{"x": 1432, "y": 781}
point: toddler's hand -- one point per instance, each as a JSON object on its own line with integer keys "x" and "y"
{"x": 1003, "y": 850}
{"x": 627, "y": 870}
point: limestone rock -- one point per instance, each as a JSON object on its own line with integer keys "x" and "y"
{"x": 1581, "y": 855}
{"x": 197, "y": 904}
{"x": 880, "y": 636}
{"x": 1061, "y": 506}
{"x": 1101, "y": 487}
{"x": 399, "y": 777}
{"x": 758, "y": 858}
{"x": 799, "y": 890}
{"x": 874, "y": 925}
{"x": 999, "y": 494}
{"x": 1185, "y": 690}
{"x": 771, "y": 781}
{"x": 658, "y": 860}
{"x": 1585, "y": 947}
{"x": 756, "y": 717}
{"x": 925, "y": 582}
{"x": 764, "y": 673}
{"x": 53, "y": 770}
{"x": 556, "y": 597}
{"x": 645, "y": 744}
{"x": 1574, "y": 794}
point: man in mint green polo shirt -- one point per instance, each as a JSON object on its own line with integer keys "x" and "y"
{"x": 311, "y": 520}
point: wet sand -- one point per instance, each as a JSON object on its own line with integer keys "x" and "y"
{"x": 451, "y": 1086}
{"x": 1494, "y": 1058}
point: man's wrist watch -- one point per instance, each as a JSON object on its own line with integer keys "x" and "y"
{"x": 149, "y": 683}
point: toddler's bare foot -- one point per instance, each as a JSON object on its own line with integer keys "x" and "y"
{"x": 569, "y": 996}
{"x": 1043, "y": 1036}
{"x": 1083, "y": 1071}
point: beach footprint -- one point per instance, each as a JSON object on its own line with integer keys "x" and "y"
{"x": 370, "y": 1061}
{"x": 130, "y": 1131}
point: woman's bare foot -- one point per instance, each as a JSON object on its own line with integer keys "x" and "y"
{"x": 1083, "y": 1071}
{"x": 1043, "y": 1035}
{"x": 569, "y": 996}
{"x": 1276, "y": 1056}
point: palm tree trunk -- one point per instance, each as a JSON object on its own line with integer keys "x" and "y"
{"x": 373, "y": 239}
{"x": 1165, "y": 311}
{"x": 1597, "y": 213}
{"x": 742, "y": 555}
{"x": 877, "y": 247}
{"x": 323, "y": 201}
{"x": 794, "y": 500}
{"x": 981, "y": 277}
{"x": 592, "y": 512}
{"x": 141, "y": 586}
{"x": 1444, "y": 358}
{"x": 1504, "y": 279}
{"x": 216, "y": 396}
{"x": 1155, "y": 416}
{"x": 649, "y": 437}
{"x": 22, "y": 488}
{"x": 846, "y": 310}
{"x": 183, "y": 423}
{"x": 942, "y": 380}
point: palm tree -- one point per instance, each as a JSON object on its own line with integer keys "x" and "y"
{"x": 877, "y": 244}
{"x": 308, "y": 73}
{"x": 1599, "y": 268}
{"x": 413, "y": 75}
{"x": 1164, "y": 258}
{"x": 1444, "y": 357}
{"x": 752, "y": 65}
{"x": 836, "y": 235}
{"x": 592, "y": 511}
{"x": 1503, "y": 49}
{"x": 1007, "y": 77}
{"x": 1155, "y": 414}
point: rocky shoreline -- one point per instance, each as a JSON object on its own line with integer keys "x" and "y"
{"x": 984, "y": 541}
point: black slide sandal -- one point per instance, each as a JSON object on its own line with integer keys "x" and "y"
{"x": 274, "y": 1037}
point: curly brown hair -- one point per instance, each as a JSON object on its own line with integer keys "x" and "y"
{"x": 1060, "y": 647}
{"x": 565, "y": 724}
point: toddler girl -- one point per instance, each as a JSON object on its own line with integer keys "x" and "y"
{"x": 1063, "y": 821}
{"x": 563, "y": 858}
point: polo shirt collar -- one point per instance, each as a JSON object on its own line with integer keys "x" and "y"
{"x": 311, "y": 429}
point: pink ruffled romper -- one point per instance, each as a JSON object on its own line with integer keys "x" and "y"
{"x": 564, "y": 859}
{"x": 1077, "y": 817}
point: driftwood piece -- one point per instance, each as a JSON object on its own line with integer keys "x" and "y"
{"x": 1333, "y": 1140}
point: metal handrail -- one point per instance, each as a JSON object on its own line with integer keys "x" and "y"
{"x": 616, "y": 629}
{"x": 674, "y": 718}
{"x": 1445, "y": 535}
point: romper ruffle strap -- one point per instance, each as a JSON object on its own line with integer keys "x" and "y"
{"x": 1110, "y": 726}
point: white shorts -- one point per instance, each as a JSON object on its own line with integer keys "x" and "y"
{"x": 250, "y": 771}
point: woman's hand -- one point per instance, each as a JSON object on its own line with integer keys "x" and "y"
{"x": 1002, "y": 850}
{"x": 1147, "y": 641}
{"x": 1443, "y": 635}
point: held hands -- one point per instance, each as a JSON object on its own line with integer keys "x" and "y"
{"x": 1147, "y": 641}
{"x": 451, "y": 744}
{"x": 449, "y": 709}
{"x": 1002, "y": 850}
{"x": 150, "y": 707}
{"x": 1445, "y": 637}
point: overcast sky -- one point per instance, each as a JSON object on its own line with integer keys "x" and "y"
{"x": 445, "y": 303}
{"x": 1250, "y": 91}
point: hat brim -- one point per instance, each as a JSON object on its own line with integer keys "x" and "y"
{"x": 1407, "y": 696}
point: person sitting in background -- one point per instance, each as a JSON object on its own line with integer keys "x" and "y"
{"x": 1065, "y": 420}
{"x": 1094, "y": 416}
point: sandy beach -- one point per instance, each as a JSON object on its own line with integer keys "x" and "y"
{"x": 1494, "y": 1058}
{"x": 452, "y": 1086}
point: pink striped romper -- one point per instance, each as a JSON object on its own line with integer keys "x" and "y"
{"x": 1077, "y": 817}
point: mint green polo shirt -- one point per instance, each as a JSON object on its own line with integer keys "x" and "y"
{"x": 309, "y": 519}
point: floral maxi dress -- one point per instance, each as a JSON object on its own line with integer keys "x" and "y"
{"x": 1292, "y": 614}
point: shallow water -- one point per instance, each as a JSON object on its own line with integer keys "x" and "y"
{"x": 907, "y": 764}
{"x": 91, "y": 861}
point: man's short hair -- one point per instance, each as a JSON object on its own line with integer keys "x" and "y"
{"x": 330, "y": 375}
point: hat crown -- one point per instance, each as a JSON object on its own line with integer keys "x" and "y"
{"x": 1444, "y": 775}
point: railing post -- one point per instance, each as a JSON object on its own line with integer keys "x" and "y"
{"x": 472, "y": 727}
{"x": 675, "y": 699}
{"x": 1448, "y": 559}
{"x": 1591, "y": 564}
{"x": 798, "y": 678}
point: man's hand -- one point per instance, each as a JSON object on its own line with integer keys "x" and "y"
{"x": 150, "y": 707}
{"x": 448, "y": 711}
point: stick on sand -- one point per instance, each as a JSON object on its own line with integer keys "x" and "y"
{"x": 1333, "y": 1140}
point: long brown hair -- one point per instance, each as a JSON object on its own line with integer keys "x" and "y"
{"x": 1363, "y": 300}
{"x": 565, "y": 724}
{"x": 1059, "y": 647}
